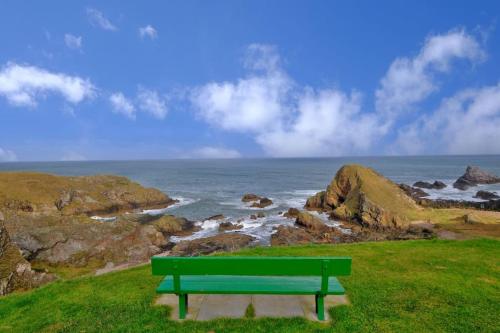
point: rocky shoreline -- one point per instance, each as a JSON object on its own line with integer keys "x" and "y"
{"x": 47, "y": 219}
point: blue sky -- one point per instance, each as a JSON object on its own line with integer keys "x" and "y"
{"x": 210, "y": 79}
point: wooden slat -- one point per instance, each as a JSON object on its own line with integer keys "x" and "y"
{"x": 257, "y": 266}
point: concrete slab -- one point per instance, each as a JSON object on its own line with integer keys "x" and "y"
{"x": 224, "y": 306}
{"x": 208, "y": 307}
{"x": 277, "y": 306}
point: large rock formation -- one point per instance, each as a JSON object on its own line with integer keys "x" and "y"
{"x": 15, "y": 271}
{"x": 360, "y": 194}
{"x": 48, "y": 219}
{"x": 91, "y": 195}
{"x": 486, "y": 195}
{"x": 473, "y": 176}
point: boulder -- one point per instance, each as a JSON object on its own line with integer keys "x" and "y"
{"x": 413, "y": 192}
{"x": 250, "y": 197}
{"x": 225, "y": 226}
{"x": 262, "y": 203}
{"x": 310, "y": 222}
{"x": 486, "y": 195}
{"x": 173, "y": 225}
{"x": 286, "y": 235}
{"x": 221, "y": 242}
{"x": 437, "y": 185}
{"x": 474, "y": 175}
{"x": 292, "y": 213}
{"x": 360, "y": 194}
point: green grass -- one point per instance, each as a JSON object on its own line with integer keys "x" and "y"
{"x": 412, "y": 286}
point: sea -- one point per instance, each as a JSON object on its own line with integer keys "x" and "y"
{"x": 209, "y": 187}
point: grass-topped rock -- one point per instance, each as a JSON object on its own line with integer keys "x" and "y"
{"x": 361, "y": 194}
{"x": 32, "y": 192}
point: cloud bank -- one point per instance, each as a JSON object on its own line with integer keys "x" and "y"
{"x": 7, "y": 155}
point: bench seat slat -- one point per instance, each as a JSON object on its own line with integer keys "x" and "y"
{"x": 226, "y": 284}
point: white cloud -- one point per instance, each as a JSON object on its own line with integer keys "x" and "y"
{"x": 122, "y": 105}
{"x": 214, "y": 152}
{"x": 73, "y": 156}
{"x": 73, "y": 42}
{"x": 7, "y": 155}
{"x": 22, "y": 85}
{"x": 97, "y": 19}
{"x": 285, "y": 119}
{"x": 466, "y": 123}
{"x": 150, "y": 101}
{"x": 148, "y": 31}
{"x": 410, "y": 80}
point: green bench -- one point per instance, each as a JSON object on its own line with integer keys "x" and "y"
{"x": 251, "y": 275}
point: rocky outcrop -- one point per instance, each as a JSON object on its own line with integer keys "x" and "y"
{"x": 47, "y": 218}
{"x": 221, "y": 242}
{"x": 437, "y": 185}
{"x": 15, "y": 271}
{"x": 493, "y": 205}
{"x": 360, "y": 194}
{"x": 413, "y": 192}
{"x": 257, "y": 201}
{"x": 26, "y": 192}
{"x": 473, "y": 176}
{"x": 486, "y": 195}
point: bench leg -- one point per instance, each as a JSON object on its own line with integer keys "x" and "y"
{"x": 183, "y": 305}
{"x": 320, "y": 306}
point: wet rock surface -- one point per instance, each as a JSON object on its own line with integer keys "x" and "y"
{"x": 437, "y": 185}
{"x": 413, "y": 192}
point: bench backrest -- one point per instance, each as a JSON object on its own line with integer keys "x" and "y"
{"x": 254, "y": 266}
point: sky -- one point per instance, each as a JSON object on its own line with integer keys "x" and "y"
{"x": 115, "y": 80}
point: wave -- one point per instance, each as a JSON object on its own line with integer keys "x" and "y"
{"x": 104, "y": 219}
{"x": 181, "y": 202}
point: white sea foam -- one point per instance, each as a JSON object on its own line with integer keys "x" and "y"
{"x": 451, "y": 193}
{"x": 160, "y": 211}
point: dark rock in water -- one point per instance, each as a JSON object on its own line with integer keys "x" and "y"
{"x": 250, "y": 197}
{"x": 261, "y": 215}
{"x": 216, "y": 217}
{"x": 486, "y": 195}
{"x": 474, "y": 175}
{"x": 225, "y": 226}
{"x": 253, "y": 217}
{"x": 292, "y": 213}
{"x": 221, "y": 242}
{"x": 437, "y": 185}
{"x": 413, "y": 192}
{"x": 262, "y": 203}
{"x": 463, "y": 184}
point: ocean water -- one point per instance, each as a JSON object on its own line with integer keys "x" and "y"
{"x": 209, "y": 187}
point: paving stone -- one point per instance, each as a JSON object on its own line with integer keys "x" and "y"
{"x": 195, "y": 302}
{"x": 227, "y": 306}
{"x": 277, "y": 306}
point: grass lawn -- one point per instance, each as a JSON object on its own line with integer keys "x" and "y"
{"x": 411, "y": 286}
